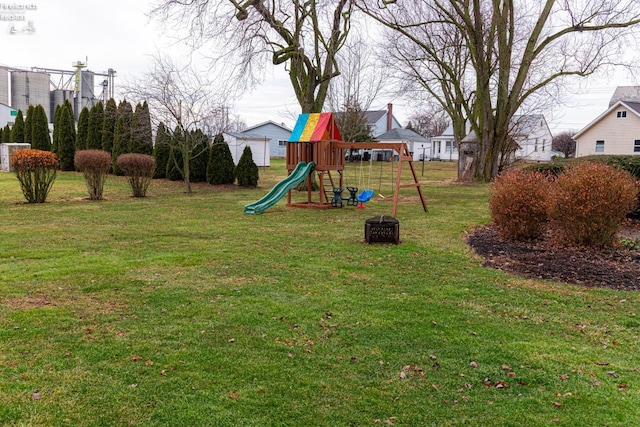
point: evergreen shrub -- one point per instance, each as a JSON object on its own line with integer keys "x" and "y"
{"x": 36, "y": 171}
{"x": 246, "y": 171}
{"x": 589, "y": 201}
{"x": 173, "y": 172}
{"x": 161, "y": 150}
{"x": 200, "y": 158}
{"x": 220, "y": 169}
{"x": 138, "y": 168}
{"x": 550, "y": 170}
{"x": 94, "y": 164}
{"x": 518, "y": 204}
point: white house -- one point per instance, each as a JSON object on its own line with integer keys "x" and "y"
{"x": 616, "y": 131}
{"x": 259, "y": 145}
{"x": 533, "y": 136}
{"x": 530, "y": 132}
{"x": 444, "y": 147}
{"x": 278, "y": 134}
{"x": 381, "y": 121}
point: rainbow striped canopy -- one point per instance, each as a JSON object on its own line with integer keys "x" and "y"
{"x": 314, "y": 127}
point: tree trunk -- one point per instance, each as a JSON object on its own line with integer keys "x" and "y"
{"x": 186, "y": 154}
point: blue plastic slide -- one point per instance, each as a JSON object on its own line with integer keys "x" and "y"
{"x": 280, "y": 189}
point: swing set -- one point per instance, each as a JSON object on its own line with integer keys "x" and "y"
{"x": 316, "y": 138}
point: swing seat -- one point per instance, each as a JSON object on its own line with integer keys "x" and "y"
{"x": 352, "y": 200}
{"x": 365, "y": 196}
{"x": 336, "y": 202}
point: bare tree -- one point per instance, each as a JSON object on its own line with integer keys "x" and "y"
{"x": 564, "y": 143}
{"x": 361, "y": 81}
{"x": 305, "y": 35}
{"x": 514, "y": 52}
{"x": 429, "y": 122}
{"x": 183, "y": 100}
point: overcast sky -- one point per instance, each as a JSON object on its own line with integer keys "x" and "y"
{"x": 117, "y": 34}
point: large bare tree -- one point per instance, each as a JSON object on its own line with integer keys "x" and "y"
{"x": 305, "y": 35}
{"x": 513, "y": 50}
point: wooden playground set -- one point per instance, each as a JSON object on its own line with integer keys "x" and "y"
{"x": 316, "y": 145}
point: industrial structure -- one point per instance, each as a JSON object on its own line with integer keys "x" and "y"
{"x": 20, "y": 88}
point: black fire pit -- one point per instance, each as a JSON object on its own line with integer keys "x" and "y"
{"x": 382, "y": 229}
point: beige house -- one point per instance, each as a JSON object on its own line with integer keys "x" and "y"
{"x": 616, "y": 131}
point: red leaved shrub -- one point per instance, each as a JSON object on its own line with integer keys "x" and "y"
{"x": 589, "y": 202}
{"x": 138, "y": 168}
{"x": 36, "y": 171}
{"x": 94, "y": 164}
{"x": 518, "y": 204}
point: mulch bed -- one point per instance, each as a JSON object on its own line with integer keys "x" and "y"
{"x": 615, "y": 268}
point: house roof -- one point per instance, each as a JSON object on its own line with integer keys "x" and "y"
{"x": 625, "y": 93}
{"x": 399, "y": 134}
{"x": 280, "y": 125}
{"x": 374, "y": 116}
{"x": 634, "y": 107}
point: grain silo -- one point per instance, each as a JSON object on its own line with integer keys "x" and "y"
{"x": 58, "y": 96}
{"x": 4, "y": 86}
{"x": 30, "y": 88}
{"x": 88, "y": 97}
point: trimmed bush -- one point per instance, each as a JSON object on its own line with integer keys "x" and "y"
{"x": 36, "y": 171}
{"x": 161, "y": 151}
{"x": 66, "y": 137}
{"x": 550, "y": 170}
{"x": 589, "y": 202}
{"x": 95, "y": 165}
{"x": 220, "y": 169}
{"x": 246, "y": 171}
{"x": 17, "y": 131}
{"x": 138, "y": 168}
{"x": 200, "y": 156}
{"x": 518, "y": 204}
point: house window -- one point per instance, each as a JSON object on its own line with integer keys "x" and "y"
{"x": 599, "y": 146}
{"x": 535, "y": 147}
{"x": 544, "y": 141}
{"x": 636, "y": 146}
{"x": 282, "y": 143}
{"x": 449, "y": 146}
{"x": 621, "y": 114}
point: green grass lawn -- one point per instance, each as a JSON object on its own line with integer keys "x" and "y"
{"x": 180, "y": 310}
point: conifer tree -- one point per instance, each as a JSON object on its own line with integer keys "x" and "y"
{"x": 40, "y": 129}
{"x": 6, "y": 134}
{"x": 221, "y": 166}
{"x": 141, "y": 135}
{"x": 161, "y": 151}
{"x": 28, "y": 125}
{"x": 94, "y": 133}
{"x": 17, "y": 132}
{"x": 56, "y": 132}
{"x": 83, "y": 129}
{"x": 66, "y": 137}
{"x": 175, "y": 156}
{"x": 198, "y": 164}
{"x": 121, "y": 133}
{"x": 109, "y": 124}
{"x": 246, "y": 171}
